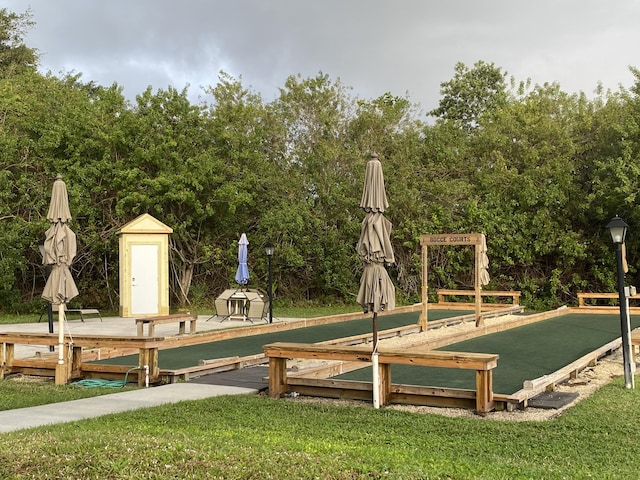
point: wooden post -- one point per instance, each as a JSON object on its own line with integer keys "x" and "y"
{"x": 484, "y": 391}
{"x": 148, "y": 357}
{"x": 385, "y": 383}
{"x": 425, "y": 298}
{"x": 76, "y": 359}
{"x": 477, "y": 286}
{"x": 7, "y": 359}
{"x": 277, "y": 376}
{"x": 63, "y": 372}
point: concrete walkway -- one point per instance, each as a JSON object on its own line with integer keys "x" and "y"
{"x": 11, "y": 420}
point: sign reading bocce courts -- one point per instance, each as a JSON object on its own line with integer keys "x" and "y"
{"x": 426, "y": 241}
{"x": 451, "y": 239}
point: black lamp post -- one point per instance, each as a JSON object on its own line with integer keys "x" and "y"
{"x": 47, "y": 272}
{"x": 269, "y": 250}
{"x": 618, "y": 229}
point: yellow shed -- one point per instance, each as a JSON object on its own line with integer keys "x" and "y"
{"x": 144, "y": 267}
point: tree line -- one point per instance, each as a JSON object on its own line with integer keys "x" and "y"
{"x": 540, "y": 171}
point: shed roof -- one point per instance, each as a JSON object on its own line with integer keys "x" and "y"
{"x": 145, "y": 223}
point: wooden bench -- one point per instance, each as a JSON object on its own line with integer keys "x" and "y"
{"x": 180, "y": 318}
{"x": 514, "y": 295}
{"x": 73, "y": 366}
{"x": 279, "y": 352}
{"x": 583, "y": 296}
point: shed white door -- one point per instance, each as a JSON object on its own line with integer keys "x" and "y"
{"x": 144, "y": 279}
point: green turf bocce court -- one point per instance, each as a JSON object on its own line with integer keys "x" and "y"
{"x": 525, "y": 353}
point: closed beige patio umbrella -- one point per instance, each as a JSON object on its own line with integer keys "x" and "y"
{"x": 59, "y": 252}
{"x": 377, "y": 292}
{"x": 484, "y": 263}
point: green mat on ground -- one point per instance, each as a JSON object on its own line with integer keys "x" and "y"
{"x": 526, "y": 352}
{"x": 189, "y": 356}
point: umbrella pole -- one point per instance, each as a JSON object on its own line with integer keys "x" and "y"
{"x": 375, "y": 331}
{"x": 61, "y": 378}
{"x": 61, "y": 334}
{"x": 374, "y": 359}
{"x": 376, "y": 380}
{"x": 50, "y": 320}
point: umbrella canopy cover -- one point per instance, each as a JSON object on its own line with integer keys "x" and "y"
{"x": 242, "y": 274}
{"x": 374, "y": 196}
{"x": 59, "y": 206}
{"x": 60, "y": 287}
{"x": 484, "y": 263}
{"x": 59, "y": 245}
{"x": 374, "y": 244}
{"x": 377, "y": 291}
{"x": 59, "y": 248}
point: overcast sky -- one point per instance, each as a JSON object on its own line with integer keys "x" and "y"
{"x": 406, "y": 47}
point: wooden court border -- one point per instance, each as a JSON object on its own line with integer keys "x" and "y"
{"x": 476, "y": 239}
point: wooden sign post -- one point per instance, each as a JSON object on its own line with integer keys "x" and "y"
{"x": 427, "y": 241}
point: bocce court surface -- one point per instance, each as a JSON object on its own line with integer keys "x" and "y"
{"x": 526, "y": 352}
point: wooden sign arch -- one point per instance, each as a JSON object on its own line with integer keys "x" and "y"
{"x": 477, "y": 239}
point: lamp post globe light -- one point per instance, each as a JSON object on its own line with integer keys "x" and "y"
{"x": 269, "y": 250}
{"x": 618, "y": 229}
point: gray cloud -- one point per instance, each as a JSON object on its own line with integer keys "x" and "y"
{"x": 374, "y": 46}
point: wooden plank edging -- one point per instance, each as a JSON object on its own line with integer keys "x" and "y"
{"x": 279, "y": 352}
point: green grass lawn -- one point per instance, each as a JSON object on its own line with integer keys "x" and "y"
{"x": 21, "y": 392}
{"x": 254, "y": 437}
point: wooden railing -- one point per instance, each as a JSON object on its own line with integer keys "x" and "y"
{"x": 514, "y": 295}
{"x": 279, "y": 383}
{"x": 584, "y": 296}
{"x": 73, "y": 366}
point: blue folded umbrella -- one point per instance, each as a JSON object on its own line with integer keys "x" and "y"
{"x": 242, "y": 274}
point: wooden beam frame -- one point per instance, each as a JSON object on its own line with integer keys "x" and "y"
{"x": 426, "y": 241}
{"x": 147, "y": 347}
{"x": 583, "y": 296}
{"x": 514, "y": 295}
{"x": 483, "y": 363}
